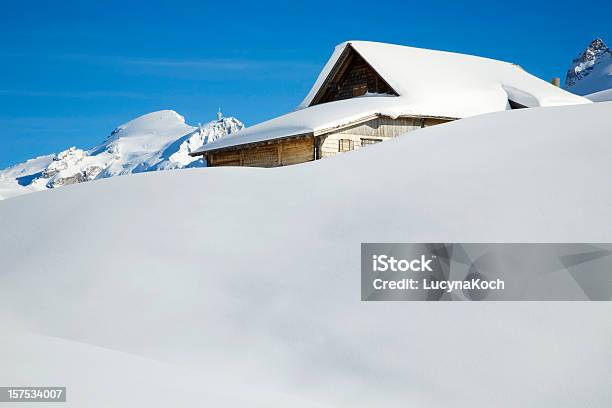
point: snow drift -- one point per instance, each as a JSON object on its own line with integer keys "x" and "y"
{"x": 155, "y": 141}
{"x": 153, "y": 288}
{"x": 601, "y": 96}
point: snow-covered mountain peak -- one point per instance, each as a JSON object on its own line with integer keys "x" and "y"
{"x": 161, "y": 122}
{"x": 596, "y": 47}
{"x": 591, "y": 70}
{"x": 156, "y": 141}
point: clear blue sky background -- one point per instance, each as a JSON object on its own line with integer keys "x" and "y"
{"x": 72, "y": 71}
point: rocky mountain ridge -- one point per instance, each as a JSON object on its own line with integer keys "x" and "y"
{"x": 155, "y": 141}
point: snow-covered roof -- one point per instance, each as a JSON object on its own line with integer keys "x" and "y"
{"x": 315, "y": 120}
{"x": 429, "y": 78}
{"x": 428, "y": 83}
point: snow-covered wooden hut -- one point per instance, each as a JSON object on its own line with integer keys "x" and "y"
{"x": 369, "y": 92}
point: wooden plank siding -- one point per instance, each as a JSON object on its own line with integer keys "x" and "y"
{"x": 297, "y": 151}
{"x": 228, "y": 158}
{"x": 300, "y": 149}
{"x": 434, "y": 121}
{"x": 379, "y": 129}
{"x": 352, "y": 76}
{"x": 273, "y": 154}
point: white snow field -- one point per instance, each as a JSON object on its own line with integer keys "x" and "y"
{"x": 234, "y": 287}
{"x": 601, "y": 96}
{"x": 156, "y": 141}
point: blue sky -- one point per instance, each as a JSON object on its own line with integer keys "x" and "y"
{"x": 72, "y": 71}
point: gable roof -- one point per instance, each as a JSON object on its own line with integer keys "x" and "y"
{"x": 425, "y": 75}
{"x": 428, "y": 84}
{"x": 341, "y": 66}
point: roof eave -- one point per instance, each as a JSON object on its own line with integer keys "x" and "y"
{"x": 315, "y": 133}
{"x": 250, "y": 144}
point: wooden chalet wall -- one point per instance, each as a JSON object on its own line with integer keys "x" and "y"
{"x": 273, "y": 154}
{"x": 372, "y": 131}
{"x": 302, "y": 149}
{"x": 352, "y": 77}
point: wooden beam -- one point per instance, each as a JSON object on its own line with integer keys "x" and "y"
{"x": 254, "y": 144}
{"x": 279, "y": 152}
{"x": 332, "y": 75}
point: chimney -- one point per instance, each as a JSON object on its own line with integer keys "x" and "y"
{"x": 556, "y": 82}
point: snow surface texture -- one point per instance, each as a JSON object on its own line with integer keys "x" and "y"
{"x": 429, "y": 83}
{"x": 150, "y": 290}
{"x": 155, "y": 141}
{"x": 601, "y": 96}
{"x": 591, "y": 71}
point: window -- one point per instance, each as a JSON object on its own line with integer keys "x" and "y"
{"x": 365, "y": 142}
{"x": 345, "y": 145}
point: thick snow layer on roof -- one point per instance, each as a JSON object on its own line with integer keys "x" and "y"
{"x": 316, "y": 119}
{"x": 429, "y": 83}
{"x": 240, "y": 287}
{"x": 474, "y": 84}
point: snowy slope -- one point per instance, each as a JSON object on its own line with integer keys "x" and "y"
{"x": 157, "y": 289}
{"x": 601, "y": 96}
{"x": 21, "y": 178}
{"x": 591, "y": 71}
{"x": 155, "y": 141}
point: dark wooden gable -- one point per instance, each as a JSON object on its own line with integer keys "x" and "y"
{"x": 351, "y": 76}
{"x": 515, "y": 105}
